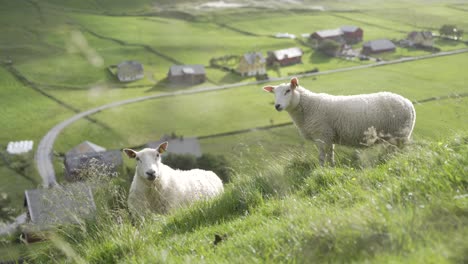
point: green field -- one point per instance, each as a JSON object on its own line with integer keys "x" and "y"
{"x": 63, "y": 49}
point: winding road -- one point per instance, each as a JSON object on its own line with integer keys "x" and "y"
{"x": 44, "y": 152}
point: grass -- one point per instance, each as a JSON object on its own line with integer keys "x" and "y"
{"x": 40, "y": 44}
{"x": 295, "y": 212}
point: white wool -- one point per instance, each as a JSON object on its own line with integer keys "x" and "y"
{"x": 346, "y": 120}
{"x": 171, "y": 188}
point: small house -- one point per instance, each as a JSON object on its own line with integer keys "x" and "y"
{"x": 187, "y": 74}
{"x": 252, "y": 64}
{"x": 421, "y": 38}
{"x": 56, "y": 206}
{"x": 128, "y": 71}
{"x": 318, "y": 37}
{"x": 378, "y": 46}
{"x": 352, "y": 34}
{"x": 179, "y": 145}
{"x": 285, "y": 57}
{"x": 88, "y": 157}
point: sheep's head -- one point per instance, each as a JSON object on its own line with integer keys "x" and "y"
{"x": 148, "y": 161}
{"x": 283, "y": 93}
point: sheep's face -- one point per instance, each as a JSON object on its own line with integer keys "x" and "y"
{"x": 283, "y": 93}
{"x": 148, "y": 161}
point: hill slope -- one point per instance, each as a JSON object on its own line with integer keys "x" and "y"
{"x": 410, "y": 206}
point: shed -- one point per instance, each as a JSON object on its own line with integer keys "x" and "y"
{"x": 187, "y": 74}
{"x": 378, "y": 46}
{"x": 251, "y": 64}
{"x": 56, "y": 206}
{"x": 285, "y": 57}
{"x": 128, "y": 71}
{"x": 352, "y": 34}
{"x": 180, "y": 145}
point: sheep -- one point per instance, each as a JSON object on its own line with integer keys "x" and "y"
{"x": 157, "y": 188}
{"x": 354, "y": 120}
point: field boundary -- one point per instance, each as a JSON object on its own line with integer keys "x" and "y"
{"x": 124, "y": 43}
{"x": 28, "y": 83}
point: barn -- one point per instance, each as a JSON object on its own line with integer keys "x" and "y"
{"x": 378, "y": 46}
{"x": 186, "y": 74}
{"x": 285, "y": 57}
{"x": 352, "y": 34}
{"x": 128, "y": 71}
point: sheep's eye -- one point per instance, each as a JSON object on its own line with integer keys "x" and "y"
{"x": 138, "y": 159}
{"x": 157, "y": 155}
{"x": 287, "y": 91}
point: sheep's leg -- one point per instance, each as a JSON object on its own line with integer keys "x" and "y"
{"x": 322, "y": 153}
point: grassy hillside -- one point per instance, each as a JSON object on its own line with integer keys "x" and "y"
{"x": 411, "y": 207}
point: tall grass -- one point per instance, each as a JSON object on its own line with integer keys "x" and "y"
{"x": 412, "y": 207}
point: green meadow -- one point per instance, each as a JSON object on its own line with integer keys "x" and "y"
{"x": 376, "y": 206}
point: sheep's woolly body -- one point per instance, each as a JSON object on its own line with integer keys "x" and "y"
{"x": 345, "y": 119}
{"x": 171, "y": 188}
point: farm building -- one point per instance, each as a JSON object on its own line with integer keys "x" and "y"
{"x": 343, "y": 35}
{"x": 378, "y": 46}
{"x": 88, "y": 155}
{"x": 179, "y": 145}
{"x": 285, "y": 56}
{"x": 187, "y": 74}
{"x": 352, "y": 34}
{"x": 421, "y": 38}
{"x": 56, "y": 206}
{"x": 129, "y": 71}
{"x": 251, "y": 64}
{"x": 318, "y": 37}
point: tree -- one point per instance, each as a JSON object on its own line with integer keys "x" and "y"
{"x": 277, "y": 68}
{"x": 451, "y": 31}
{"x": 330, "y": 47}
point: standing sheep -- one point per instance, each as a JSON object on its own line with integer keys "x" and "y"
{"x": 158, "y": 188}
{"x": 347, "y": 120}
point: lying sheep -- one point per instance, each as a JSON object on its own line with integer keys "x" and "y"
{"x": 348, "y": 120}
{"x": 158, "y": 188}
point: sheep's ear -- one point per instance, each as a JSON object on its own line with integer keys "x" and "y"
{"x": 269, "y": 89}
{"x": 163, "y": 147}
{"x": 294, "y": 83}
{"x": 130, "y": 153}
